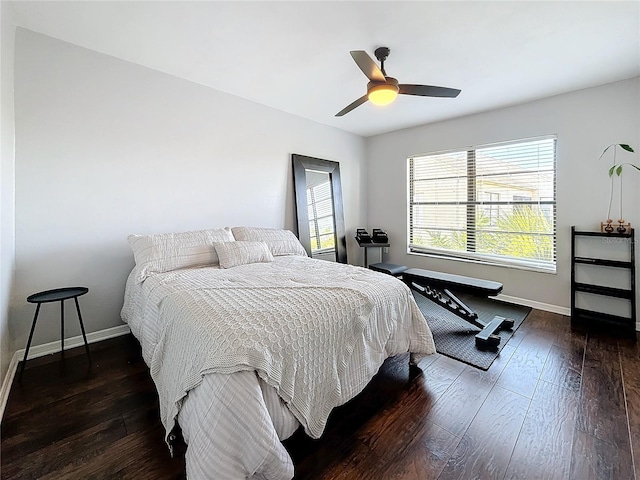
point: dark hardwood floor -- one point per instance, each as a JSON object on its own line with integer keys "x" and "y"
{"x": 556, "y": 404}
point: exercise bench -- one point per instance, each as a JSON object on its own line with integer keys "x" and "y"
{"x": 437, "y": 287}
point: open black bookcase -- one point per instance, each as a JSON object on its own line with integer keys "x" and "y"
{"x": 602, "y": 320}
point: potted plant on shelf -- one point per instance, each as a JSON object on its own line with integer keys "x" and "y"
{"x": 616, "y": 170}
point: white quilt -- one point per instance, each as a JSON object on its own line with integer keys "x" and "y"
{"x": 314, "y": 332}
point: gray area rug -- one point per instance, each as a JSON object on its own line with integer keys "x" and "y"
{"x": 454, "y": 337}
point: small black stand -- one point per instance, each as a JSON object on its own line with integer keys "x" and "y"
{"x": 367, "y": 246}
{"x": 56, "y": 295}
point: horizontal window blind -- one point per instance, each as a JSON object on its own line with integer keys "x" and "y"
{"x": 491, "y": 203}
{"x": 321, "y": 224}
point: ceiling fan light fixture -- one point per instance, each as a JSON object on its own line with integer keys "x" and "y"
{"x": 383, "y": 94}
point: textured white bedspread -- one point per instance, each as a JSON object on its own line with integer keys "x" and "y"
{"x": 315, "y": 332}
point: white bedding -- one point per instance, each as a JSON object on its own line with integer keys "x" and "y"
{"x": 263, "y": 374}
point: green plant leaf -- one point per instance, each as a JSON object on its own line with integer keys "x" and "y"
{"x": 626, "y": 147}
{"x": 605, "y": 150}
{"x": 611, "y": 171}
{"x": 619, "y": 170}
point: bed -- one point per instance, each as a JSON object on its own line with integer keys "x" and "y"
{"x": 247, "y": 339}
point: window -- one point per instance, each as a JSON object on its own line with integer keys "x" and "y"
{"x": 493, "y": 204}
{"x": 492, "y": 210}
{"x": 320, "y": 207}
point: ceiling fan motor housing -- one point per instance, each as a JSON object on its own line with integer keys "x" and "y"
{"x": 382, "y": 53}
{"x": 390, "y": 81}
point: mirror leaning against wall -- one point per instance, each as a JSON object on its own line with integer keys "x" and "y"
{"x": 319, "y": 208}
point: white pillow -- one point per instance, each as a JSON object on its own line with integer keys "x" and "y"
{"x": 280, "y": 242}
{"x": 232, "y": 254}
{"x": 164, "y": 252}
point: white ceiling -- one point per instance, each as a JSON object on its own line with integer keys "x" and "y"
{"x": 294, "y": 56}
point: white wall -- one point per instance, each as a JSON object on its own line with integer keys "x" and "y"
{"x": 105, "y": 148}
{"x": 7, "y": 189}
{"x": 585, "y": 122}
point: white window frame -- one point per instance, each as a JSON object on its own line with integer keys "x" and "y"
{"x": 485, "y": 258}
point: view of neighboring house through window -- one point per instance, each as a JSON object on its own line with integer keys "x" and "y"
{"x": 320, "y": 206}
{"x": 491, "y": 203}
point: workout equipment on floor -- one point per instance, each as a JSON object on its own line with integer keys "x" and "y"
{"x": 437, "y": 287}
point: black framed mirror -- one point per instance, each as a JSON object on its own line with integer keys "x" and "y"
{"x": 319, "y": 209}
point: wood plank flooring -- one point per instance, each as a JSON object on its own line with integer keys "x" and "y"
{"x": 556, "y": 404}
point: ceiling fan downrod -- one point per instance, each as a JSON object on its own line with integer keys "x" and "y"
{"x": 381, "y": 54}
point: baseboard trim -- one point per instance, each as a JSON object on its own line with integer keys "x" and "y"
{"x": 6, "y": 383}
{"x": 50, "y": 348}
{"x": 72, "y": 342}
{"x": 547, "y": 307}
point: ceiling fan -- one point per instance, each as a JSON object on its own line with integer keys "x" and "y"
{"x": 382, "y": 89}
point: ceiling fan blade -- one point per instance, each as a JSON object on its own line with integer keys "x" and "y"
{"x": 428, "y": 91}
{"x": 351, "y": 106}
{"x": 367, "y": 65}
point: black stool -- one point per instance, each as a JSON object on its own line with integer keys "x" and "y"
{"x": 56, "y": 295}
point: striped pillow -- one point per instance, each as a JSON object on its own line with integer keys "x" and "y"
{"x": 232, "y": 254}
{"x": 164, "y": 252}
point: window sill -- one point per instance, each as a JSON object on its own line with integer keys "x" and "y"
{"x": 485, "y": 262}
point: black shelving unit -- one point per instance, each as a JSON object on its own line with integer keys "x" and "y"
{"x": 580, "y": 316}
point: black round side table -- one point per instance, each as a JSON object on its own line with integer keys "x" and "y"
{"x": 56, "y": 295}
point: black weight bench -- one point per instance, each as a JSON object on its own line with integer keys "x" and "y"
{"x": 437, "y": 286}
{"x": 389, "y": 268}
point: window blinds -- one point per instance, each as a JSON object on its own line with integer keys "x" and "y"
{"x": 493, "y": 203}
{"x": 321, "y": 224}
